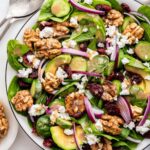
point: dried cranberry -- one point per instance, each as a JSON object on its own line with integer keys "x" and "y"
{"x": 44, "y": 24}
{"x": 125, "y": 7}
{"x": 25, "y": 60}
{"x": 135, "y": 78}
{"x": 83, "y": 46}
{"x": 23, "y": 84}
{"x": 34, "y": 74}
{"x": 68, "y": 71}
{"x": 147, "y": 135}
{"x": 86, "y": 147}
{"x": 48, "y": 142}
{"x": 103, "y": 7}
{"x": 95, "y": 89}
{"x": 34, "y": 130}
{"x": 116, "y": 75}
{"x": 101, "y": 50}
{"x": 112, "y": 108}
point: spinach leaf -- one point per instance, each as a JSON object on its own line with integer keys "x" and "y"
{"x": 93, "y": 45}
{"x": 125, "y": 132}
{"x": 145, "y": 9}
{"x": 146, "y": 28}
{"x": 135, "y": 135}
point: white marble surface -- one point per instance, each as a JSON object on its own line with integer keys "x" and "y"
{"x": 22, "y": 141}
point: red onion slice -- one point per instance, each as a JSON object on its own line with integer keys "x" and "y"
{"x": 98, "y": 113}
{"x": 75, "y": 137}
{"x": 140, "y": 15}
{"x": 146, "y": 113}
{"x": 51, "y": 109}
{"x": 133, "y": 140}
{"x": 87, "y": 73}
{"x": 130, "y": 15}
{"x": 125, "y": 109}
{"x": 89, "y": 110}
{"x": 86, "y": 9}
{"x": 74, "y": 52}
{"x": 41, "y": 70}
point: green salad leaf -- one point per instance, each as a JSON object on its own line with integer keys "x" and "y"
{"x": 145, "y": 9}
{"x": 115, "y": 4}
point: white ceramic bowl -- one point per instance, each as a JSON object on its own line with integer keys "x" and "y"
{"x": 10, "y": 74}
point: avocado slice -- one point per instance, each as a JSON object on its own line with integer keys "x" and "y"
{"x": 117, "y": 84}
{"x": 53, "y": 65}
{"x": 64, "y": 141}
{"x": 142, "y": 50}
{"x": 128, "y": 20}
{"x": 78, "y": 64}
{"x": 60, "y": 8}
{"x": 63, "y": 123}
{"x": 109, "y": 69}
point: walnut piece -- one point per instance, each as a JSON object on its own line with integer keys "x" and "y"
{"x": 22, "y": 100}
{"x": 111, "y": 124}
{"x": 114, "y": 17}
{"x": 109, "y": 91}
{"x": 98, "y": 146}
{"x": 74, "y": 103}
{"x": 137, "y": 112}
{"x": 133, "y": 32}
{"x": 3, "y": 122}
{"x": 51, "y": 82}
{"x": 107, "y": 144}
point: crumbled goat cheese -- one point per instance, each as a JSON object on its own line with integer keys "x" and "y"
{"x": 99, "y": 125}
{"x": 61, "y": 74}
{"x": 74, "y": 20}
{"x": 36, "y": 110}
{"x": 136, "y": 40}
{"x": 125, "y": 61}
{"x": 76, "y": 76}
{"x": 91, "y": 53}
{"x": 62, "y": 113}
{"x": 85, "y": 29}
{"x": 46, "y": 32}
{"x": 146, "y": 64}
{"x": 30, "y": 58}
{"x": 147, "y": 77}
{"x": 122, "y": 41}
{"x": 130, "y": 51}
{"x": 36, "y": 63}
{"x": 125, "y": 88}
{"x": 69, "y": 44}
{"x": 131, "y": 125}
{"x": 20, "y": 59}
{"x": 88, "y": 94}
{"x": 54, "y": 115}
{"x": 110, "y": 31}
{"x": 145, "y": 128}
{"x": 91, "y": 139}
{"x": 100, "y": 44}
{"x": 62, "y": 109}
{"x": 68, "y": 131}
{"x": 125, "y": 92}
{"x": 110, "y": 50}
{"x": 88, "y": 1}
{"x": 24, "y": 73}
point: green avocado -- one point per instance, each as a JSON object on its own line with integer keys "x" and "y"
{"x": 109, "y": 69}
{"x": 60, "y": 8}
{"x": 145, "y": 9}
{"x": 146, "y": 28}
{"x": 78, "y": 64}
{"x": 64, "y": 141}
{"x": 127, "y": 21}
{"x": 59, "y": 102}
{"x": 117, "y": 84}
{"x": 142, "y": 50}
{"x": 63, "y": 123}
{"x": 53, "y": 65}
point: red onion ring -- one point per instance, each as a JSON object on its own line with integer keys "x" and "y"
{"x": 133, "y": 140}
{"x": 74, "y": 52}
{"x": 40, "y": 70}
{"x": 89, "y": 110}
{"x": 125, "y": 109}
{"x": 146, "y": 113}
{"x": 75, "y": 137}
{"x": 98, "y": 113}
{"x": 86, "y": 9}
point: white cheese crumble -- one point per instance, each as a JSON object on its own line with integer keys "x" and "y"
{"x": 24, "y": 73}
{"x": 131, "y": 125}
{"x": 92, "y": 53}
{"x": 20, "y": 59}
{"x": 88, "y": 2}
{"x": 30, "y": 58}
{"x": 125, "y": 61}
{"x": 74, "y": 20}
{"x": 100, "y": 44}
{"x": 91, "y": 139}
{"x": 130, "y": 51}
{"x": 99, "y": 125}
{"x": 69, "y": 44}
{"x": 76, "y": 76}
{"x": 36, "y": 110}
{"x": 35, "y": 62}
{"x": 146, "y": 64}
{"x": 68, "y": 131}
{"x": 88, "y": 94}
{"x": 125, "y": 87}
{"x": 110, "y": 31}
{"x": 145, "y": 128}
{"x": 46, "y": 32}
{"x": 61, "y": 74}
{"x": 85, "y": 29}
{"x": 147, "y": 77}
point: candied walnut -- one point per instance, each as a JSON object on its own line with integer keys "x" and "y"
{"x": 3, "y": 122}
{"x": 111, "y": 124}
{"x": 114, "y": 17}
{"x": 98, "y": 146}
{"x": 51, "y": 82}
{"x": 107, "y": 144}
{"x": 22, "y": 100}
{"x": 75, "y": 104}
{"x": 69, "y": 24}
{"x": 137, "y": 112}
{"x": 133, "y": 32}
{"x": 109, "y": 93}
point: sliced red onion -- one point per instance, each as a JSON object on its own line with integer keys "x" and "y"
{"x": 40, "y": 70}
{"x": 146, "y": 113}
{"x": 116, "y": 56}
{"x": 130, "y": 15}
{"x": 75, "y": 137}
{"x": 87, "y": 73}
{"x": 51, "y": 109}
{"x": 74, "y": 52}
{"x": 86, "y": 9}
{"x": 133, "y": 140}
{"x": 140, "y": 15}
{"x": 125, "y": 109}
{"x": 89, "y": 110}
{"x": 98, "y": 113}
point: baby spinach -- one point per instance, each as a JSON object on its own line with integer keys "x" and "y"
{"x": 14, "y": 51}
{"x": 146, "y": 28}
{"x": 41, "y": 98}
{"x": 145, "y": 9}
{"x": 136, "y": 135}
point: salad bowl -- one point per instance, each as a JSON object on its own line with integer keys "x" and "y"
{"x": 25, "y": 120}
